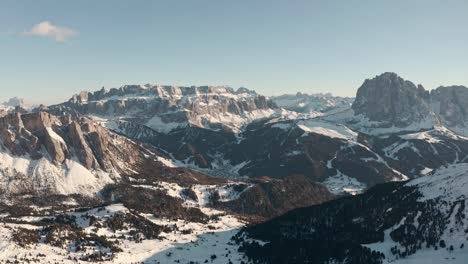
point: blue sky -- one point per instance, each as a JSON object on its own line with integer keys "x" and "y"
{"x": 271, "y": 46}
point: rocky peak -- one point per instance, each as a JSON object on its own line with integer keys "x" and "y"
{"x": 390, "y": 99}
{"x": 312, "y": 103}
{"x": 451, "y": 103}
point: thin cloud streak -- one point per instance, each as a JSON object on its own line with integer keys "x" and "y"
{"x": 47, "y": 29}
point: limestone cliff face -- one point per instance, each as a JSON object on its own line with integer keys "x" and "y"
{"x": 171, "y": 106}
{"x": 43, "y": 135}
{"x": 79, "y": 143}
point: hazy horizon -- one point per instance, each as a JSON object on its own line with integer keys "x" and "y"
{"x": 52, "y": 49}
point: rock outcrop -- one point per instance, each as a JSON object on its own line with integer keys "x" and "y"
{"x": 451, "y": 104}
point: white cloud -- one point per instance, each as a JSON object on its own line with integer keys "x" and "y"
{"x": 47, "y": 29}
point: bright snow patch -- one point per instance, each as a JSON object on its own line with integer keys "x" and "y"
{"x": 327, "y": 129}
{"x": 341, "y": 183}
{"x": 20, "y": 173}
{"x": 421, "y": 136}
{"x": 157, "y": 124}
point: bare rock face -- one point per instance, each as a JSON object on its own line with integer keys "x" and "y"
{"x": 390, "y": 99}
{"x": 42, "y": 125}
{"x": 26, "y": 133}
{"x": 43, "y": 135}
{"x": 82, "y": 149}
{"x": 451, "y": 103}
{"x": 171, "y": 106}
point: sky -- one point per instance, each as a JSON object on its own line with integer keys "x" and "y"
{"x": 52, "y": 49}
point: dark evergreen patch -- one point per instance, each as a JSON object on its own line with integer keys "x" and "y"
{"x": 337, "y": 229}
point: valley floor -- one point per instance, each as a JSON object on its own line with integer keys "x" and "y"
{"x": 187, "y": 243}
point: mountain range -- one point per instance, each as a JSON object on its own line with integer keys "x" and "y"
{"x": 167, "y": 174}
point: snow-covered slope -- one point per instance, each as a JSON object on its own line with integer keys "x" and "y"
{"x": 345, "y": 179}
{"x": 448, "y": 189}
{"x": 19, "y": 175}
{"x": 73, "y": 191}
{"x": 144, "y": 220}
{"x": 42, "y": 154}
{"x": 314, "y": 103}
{"x": 118, "y": 234}
{"x": 422, "y": 221}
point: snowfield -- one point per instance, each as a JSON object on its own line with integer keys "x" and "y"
{"x": 327, "y": 129}
{"x": 20, "y": 173}
{"x": 192, "y": 242}
{"x": 183, "y": 242}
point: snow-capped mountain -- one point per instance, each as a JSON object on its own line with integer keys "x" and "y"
{"x": 169, "y": 174}
{"x": 166, "y": 108}
{"x": 388, "y": 104}
{"x": 13, "y": 104}
{"x": 423, "y": 220}
{"x": 43, "y": 154}
{"x": 345, "y": 144}
{"x": 312, "y": 104}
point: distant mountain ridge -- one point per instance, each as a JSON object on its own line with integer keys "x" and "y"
{"x": 397, "y": 128}
{"x": 312, "y": 103}
{"x": 13, "y": 104}
{"x": 384, "y": 104}
{"x": 165, "y": 108}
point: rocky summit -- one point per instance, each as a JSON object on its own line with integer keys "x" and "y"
{"x": 390, "y": 99}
